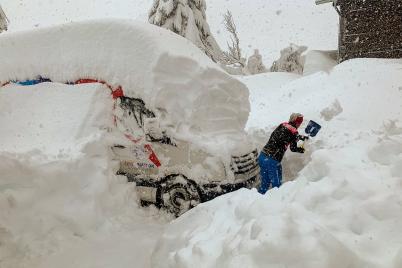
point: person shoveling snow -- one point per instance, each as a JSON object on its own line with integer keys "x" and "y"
{"x": 270, "y": 158}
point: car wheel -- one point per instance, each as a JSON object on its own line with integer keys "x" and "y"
{"x": 179, "y": 195}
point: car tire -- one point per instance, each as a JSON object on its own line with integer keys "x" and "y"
{"x": 179, "y": 195}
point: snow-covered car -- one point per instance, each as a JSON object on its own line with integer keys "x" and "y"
{"x": 179, "y": 119}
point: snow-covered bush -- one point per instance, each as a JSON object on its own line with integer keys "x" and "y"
{"x": 188, "y": 19}
{"x": 291, "y": 60}
{"x": 3, "y": 21}
{"x": 254, "y": 63}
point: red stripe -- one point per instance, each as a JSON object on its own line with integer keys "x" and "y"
{"x": 152, "y": 157}
{"x": 86, "y": 81}
{"x": 131, "y": 138}
{"x": 290, "y": 127}
{"x": 90, "y": 80}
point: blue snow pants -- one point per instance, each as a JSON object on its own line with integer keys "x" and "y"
{"x": 271, "y": 172}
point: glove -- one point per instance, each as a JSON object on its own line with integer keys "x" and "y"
{"x": 302, "y": 150}
{"x": 302, "y": 138}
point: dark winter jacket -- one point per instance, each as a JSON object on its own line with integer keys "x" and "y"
{"x": 283, "y": 136}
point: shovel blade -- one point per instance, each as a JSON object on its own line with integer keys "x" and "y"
{"x": 312, "y": 128}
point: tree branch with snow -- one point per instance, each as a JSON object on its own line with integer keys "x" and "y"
{"x": 232, "y": 57}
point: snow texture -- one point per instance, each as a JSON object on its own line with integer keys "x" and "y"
{"x": 52, "y": 128}
{"x": 62, "y": 204}
{"x": 343, "y": 208}
{"x": 59, "y": 196}
{"x": 333, "y": 110}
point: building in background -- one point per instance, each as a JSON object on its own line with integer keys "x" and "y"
{"x": 368, "y": 28}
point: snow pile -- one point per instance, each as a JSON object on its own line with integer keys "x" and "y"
{"x": 316, "y": 61}
{"x": 61, "y": 203}
{"x": 343, "y": 210}
{"x": 42, "y": 118}
{"x": 60, "y": 199}
{"x": 165, "y": 70}
{"x": 331, "y": 111}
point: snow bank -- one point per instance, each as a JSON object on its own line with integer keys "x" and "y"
{"x": 55, "y": 119}
{"x": 343, "y": 210}
{"x": 312, "y": 94}
{"x": 61, "y": 203}
{"x": 150, "y": 63}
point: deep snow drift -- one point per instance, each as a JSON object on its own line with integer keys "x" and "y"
{"x": 42, "y": 118}
{"x": 179, "y": 83}
{"x": 344, "y": 208}
{"x": 61, "y": 204}
{"x": 148, "y": 62}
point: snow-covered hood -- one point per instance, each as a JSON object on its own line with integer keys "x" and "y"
{"x": 174, "y": 78}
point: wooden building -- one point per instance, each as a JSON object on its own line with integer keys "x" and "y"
{"x": 368, "y": 28}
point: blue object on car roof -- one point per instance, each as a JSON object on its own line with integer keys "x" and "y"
{"x": 312, "y": 128}
{"x": 32, "y": 82}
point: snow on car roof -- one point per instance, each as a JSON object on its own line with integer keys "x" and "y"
{"x": 165, "y": 70}
{"x": 121, "y": 52}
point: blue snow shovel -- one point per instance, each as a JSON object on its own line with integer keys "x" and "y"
{"x": 311, "y": 129}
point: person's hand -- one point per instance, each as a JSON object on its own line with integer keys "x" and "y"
{"x": 302, "y": 138}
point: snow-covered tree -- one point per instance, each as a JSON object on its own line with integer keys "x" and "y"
{"x": 3, "y": 21}
{"x": 188, "y": 19}
{"x": 233, "y": 57}
{"x": 254, "y": 63}
{"x": 291, "y": 60}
